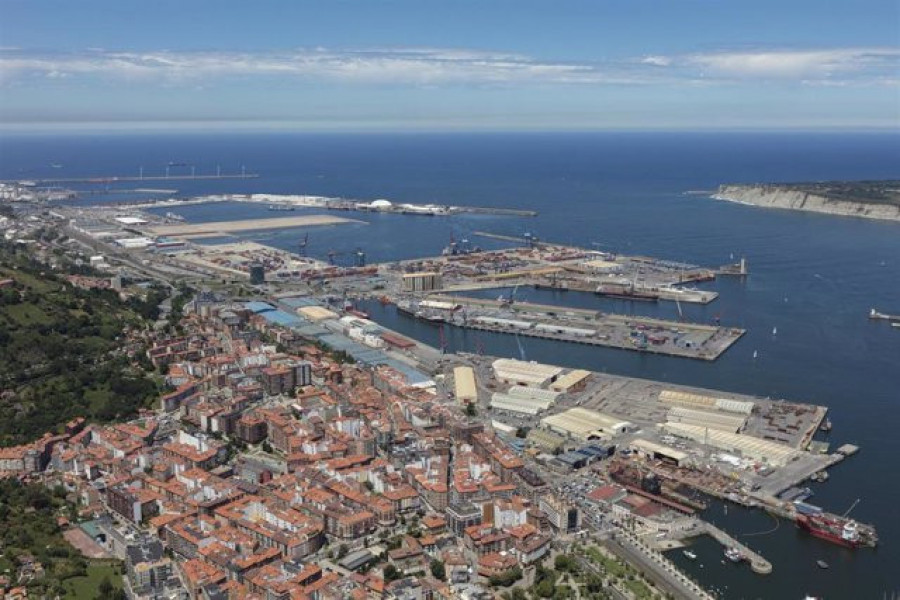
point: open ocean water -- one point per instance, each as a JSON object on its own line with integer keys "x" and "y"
{"x": 814, "y": 277}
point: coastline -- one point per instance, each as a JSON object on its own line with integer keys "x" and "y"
{"x": 788, "y": 197}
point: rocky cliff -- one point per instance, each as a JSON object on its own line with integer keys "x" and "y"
{"x": 871, "y": 200}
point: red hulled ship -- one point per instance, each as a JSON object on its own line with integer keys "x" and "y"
{"x": 837, "y": 530}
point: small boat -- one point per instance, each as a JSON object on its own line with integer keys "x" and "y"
{"x": 689, "y": 554}
{"x": 755, "y": 353}
{"x": 826, "y": 426}
{"x": 56, "y": 165}
{"x": 774, "y": 331}
{"x": 822, "y": 564}
{"x": 734, "y": 555}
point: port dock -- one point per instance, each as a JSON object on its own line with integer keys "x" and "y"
{"x": 758, "y": 564}
{"x": 880, "y": 316}
{"x": 226, "y": 227}
{"x": 579, "y": 326}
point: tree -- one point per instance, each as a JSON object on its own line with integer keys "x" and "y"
{"x": 565, "y": 564}
{"x": 342, "y": 551}
{"x": 437, "y": 570}
{"x": 391, "y": 573}
{"x": 471, "y": 410}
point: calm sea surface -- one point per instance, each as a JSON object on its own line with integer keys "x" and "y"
{"x": 814, "y": 277}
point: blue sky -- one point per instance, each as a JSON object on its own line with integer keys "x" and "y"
{"x": 427, "y": 65}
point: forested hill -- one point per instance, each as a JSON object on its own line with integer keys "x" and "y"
{"x": 63, "y": 350}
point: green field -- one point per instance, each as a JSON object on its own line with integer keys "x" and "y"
{"x": 78, "y": 588}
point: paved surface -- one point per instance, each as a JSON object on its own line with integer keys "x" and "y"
{"x": 84, "y": 544}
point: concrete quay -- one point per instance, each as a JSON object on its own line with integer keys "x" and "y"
{"x": 758, "y": 564}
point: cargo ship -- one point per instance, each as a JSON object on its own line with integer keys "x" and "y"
{"x": 837, "y": 530}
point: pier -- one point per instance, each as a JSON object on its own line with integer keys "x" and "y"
{"x": 758, "y": 564}
{"x": 227, "y": 227}
{"x": 880, "y": 316}
{"x": 577, "y": 326}
{"x": 127, "y": 179}
{"x": 696, "y": 528}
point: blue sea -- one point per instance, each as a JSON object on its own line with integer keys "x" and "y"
{"x": 814, "y": 277}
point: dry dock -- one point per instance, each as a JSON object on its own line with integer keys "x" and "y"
{"x": 226, "y": 227}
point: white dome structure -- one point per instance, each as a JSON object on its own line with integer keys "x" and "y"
{"x": 380, "y": 204}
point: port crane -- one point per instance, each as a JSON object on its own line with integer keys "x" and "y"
{"x": 442, "y": 340}
{"x": 852, "y": 506}
{"x": 521, "y": 348}
{"x": 301, "y": 245}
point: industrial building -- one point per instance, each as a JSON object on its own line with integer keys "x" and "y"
{"x": 699, "y": 401}
{"x": 422, "y": 282}
{"x": 528, "y": 406}
{"x": 658, "y": 451}
{"x": 720, "y": 421}
{"x": 584, "y": 424}
{"x": 573, "y": 381}
{"x": 316, "y": 313}
{"x": 257, "y": 274}
{"x": 520, "y": 372}
{"x": 464, "y": 385}
{"x": 742, "y": 445}
{"x": 519, "y": 391}
{"x": 602, "y": 266}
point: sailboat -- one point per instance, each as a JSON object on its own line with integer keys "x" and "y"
{"x": 774, "y": 331}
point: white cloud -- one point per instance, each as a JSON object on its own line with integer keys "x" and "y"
{"x": 656, "y": 61}
{"x": 808, "y": 65}
{"x": 450, "y": 66}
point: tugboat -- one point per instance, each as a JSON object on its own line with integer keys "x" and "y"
{"x": 734, "y": 555}
{"x": 689, "y": 554}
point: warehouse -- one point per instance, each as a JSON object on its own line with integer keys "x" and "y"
{"x": 700, "y": 401}
{"x": 316, "y": 313}
{"x": 464, "y": 385}
{"x": 519, "y": 391}
{"x": 602, "y": 266}
{"x": 744, "y": 445}
{"x": 735, "y": 406}
{"x": 528, "y": 406}
{"x": 679, "y": 398}
{"x": 562, "y": 329}
{"x": 545, "y": 439}
{"x": 520, "y": 372}
{"x": 438, "y": 305}
{"x": 705, "y": 418}
{"x": 659, "y": 452}
{"x": 584, "y": 424}
{"x": 500, "y": 322}
{"x": 573, "y": 381}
